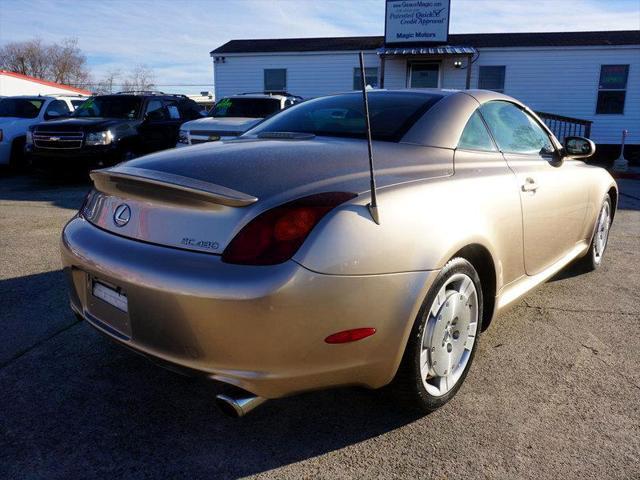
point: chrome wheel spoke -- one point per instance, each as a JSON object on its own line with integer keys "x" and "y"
{"x": 424, "y": 360}
{"x": 443, "y": 384}
{"x": 466, "y": 287}
{"x": 473, "y": 328}
{"x": 468, "y": 345}
{"x": 437, "y": 304}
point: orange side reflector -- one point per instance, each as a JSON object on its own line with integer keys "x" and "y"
{"x": 347, "y": 336}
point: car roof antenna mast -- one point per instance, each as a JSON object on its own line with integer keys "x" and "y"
{"x": 373, "y": 206}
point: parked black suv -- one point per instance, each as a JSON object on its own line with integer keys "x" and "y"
{"x": 108, "y": 129}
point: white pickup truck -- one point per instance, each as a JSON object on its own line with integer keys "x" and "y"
{"x": 232, "y": 116}
{"x": 18, "y": 113}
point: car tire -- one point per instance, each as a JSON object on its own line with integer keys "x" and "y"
{"x": 447, "y": 331}
{"x": 593, "y": 259}
{"x": 17, "y": 159}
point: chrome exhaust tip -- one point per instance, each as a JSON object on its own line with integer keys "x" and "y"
{"x": 238, "y": 407}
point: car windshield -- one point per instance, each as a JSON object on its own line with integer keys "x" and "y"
{"x": 245, "y": 107}
{"x": 77, "y": 103}
{"x": 110, "y": 106}
{"x": 20, "y": 107}
{"x": 392, "y": 114}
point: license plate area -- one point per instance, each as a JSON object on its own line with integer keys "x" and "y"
{"x": 114, "y": 297}
{"x": 108, "y": 307}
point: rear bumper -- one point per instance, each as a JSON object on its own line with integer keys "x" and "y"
{"x": 260, "y": 328}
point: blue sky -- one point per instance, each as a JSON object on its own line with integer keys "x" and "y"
{"x": 174, "y": 37}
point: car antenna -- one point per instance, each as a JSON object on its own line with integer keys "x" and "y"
{"x": 373, "y": 206}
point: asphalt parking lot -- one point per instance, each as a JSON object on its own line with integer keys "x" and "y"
{"x": 554, "y": 391}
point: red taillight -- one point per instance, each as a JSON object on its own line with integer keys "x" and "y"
{"x": 350, "y": 335}
{"x": 275, "y": 235}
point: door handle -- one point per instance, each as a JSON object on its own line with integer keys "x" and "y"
{"x": 529, "y": 185}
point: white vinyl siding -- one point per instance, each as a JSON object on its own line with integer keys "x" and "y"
{"x": 308, "y": 74}
{"x": 557, "y": 80}
{"x": 565, "y": 81}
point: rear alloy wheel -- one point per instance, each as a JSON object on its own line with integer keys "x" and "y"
{"x": 593, "y": 259}
{"x": 444, "y": 338}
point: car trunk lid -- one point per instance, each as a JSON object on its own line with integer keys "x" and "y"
{"x": 199, "y": 198}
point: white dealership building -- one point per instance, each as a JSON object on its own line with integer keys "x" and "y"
{"x": 591, "y": 77}
{"x": 12, "y": 83}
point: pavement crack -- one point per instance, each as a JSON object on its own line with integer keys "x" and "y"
{"x": 36, "y": 345}
{"x": 593, "y": 349}
{"x": 575, "y": 310}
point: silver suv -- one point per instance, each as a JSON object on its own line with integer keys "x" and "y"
{"x": 234, "y": 115}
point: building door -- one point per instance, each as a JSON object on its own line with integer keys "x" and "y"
{"x": 424, "y": 75}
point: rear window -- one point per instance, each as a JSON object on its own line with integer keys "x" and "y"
{"x": 392, "y": 114}
{"x": 245, "y": 107}
{"x": 110, "y": 106}
{"x": 20, "y": 107}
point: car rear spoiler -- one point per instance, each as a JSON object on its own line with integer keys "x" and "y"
{"x": 200, "y": 189}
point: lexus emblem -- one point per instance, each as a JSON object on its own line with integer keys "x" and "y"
{"x": 122, "y": 215}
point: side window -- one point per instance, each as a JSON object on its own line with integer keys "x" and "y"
{"x": 514, "y": 130}
{"x": 155, "y": 111}
{"x": 475, "y": 135}
{"x": 172, "y": 109}
{"x": 56, "y": 109}
{"x": 190, "y": 109}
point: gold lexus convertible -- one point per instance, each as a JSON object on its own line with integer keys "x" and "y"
{"x": 260, "y": 263}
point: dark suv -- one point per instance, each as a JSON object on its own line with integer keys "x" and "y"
{"x": 108, "y": 129}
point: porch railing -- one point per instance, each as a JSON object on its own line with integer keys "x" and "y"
{"x": 562, "y": 126}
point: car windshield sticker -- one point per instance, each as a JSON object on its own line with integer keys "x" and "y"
{"x": 223, "y": 105}
{"x": 87, "y": 105}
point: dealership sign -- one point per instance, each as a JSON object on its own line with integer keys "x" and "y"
{"x": 416, "y": 21}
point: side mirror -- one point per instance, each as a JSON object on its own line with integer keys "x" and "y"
{"x": 578, "y": 147}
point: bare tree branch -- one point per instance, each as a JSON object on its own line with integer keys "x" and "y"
{"x": 141, "y": 78}
{"x": 57, "y": 62}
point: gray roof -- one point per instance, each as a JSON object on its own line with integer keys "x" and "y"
{"x": 477, "y": 40}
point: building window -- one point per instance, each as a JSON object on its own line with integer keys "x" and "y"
{"x": 275, "y": 79}
{"x": 612, "y": 89}
{"x": 370, "y": 77}
{"x": 492, "y": 78}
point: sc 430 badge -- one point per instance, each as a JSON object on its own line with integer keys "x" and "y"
{"x": 192, "y": 242}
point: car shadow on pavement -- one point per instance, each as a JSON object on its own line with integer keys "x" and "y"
{"x": 32, "y": 309}
{"x": 64, "y": 192}
{"x": 78, "y": 405}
